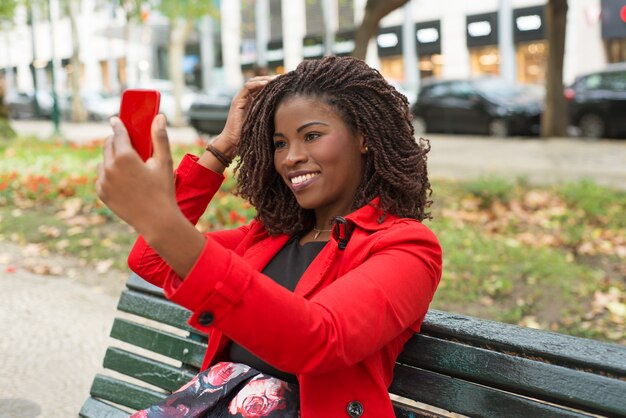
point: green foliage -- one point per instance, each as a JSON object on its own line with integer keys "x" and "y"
{"x": 188, "y": 9}
{"x": 489, "y": 190}
{"x": 6, "y": 132}
{"x": 594, "y": 201}
{"x": 7, "y": 9}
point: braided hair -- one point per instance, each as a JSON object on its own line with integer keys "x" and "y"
{"x": 394, "y": 167}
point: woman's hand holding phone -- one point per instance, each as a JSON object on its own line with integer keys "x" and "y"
{"x": 139, "y": 193}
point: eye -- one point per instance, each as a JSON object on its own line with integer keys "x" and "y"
{"x": 310, "y": 136}
{"x": 279, "y": 143}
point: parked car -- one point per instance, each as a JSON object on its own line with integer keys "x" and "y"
{"x": 208, "y": 112}
{"x": 597, "y": 102}
{"x": 478, "y": 106}
{"x": 21, "y": 104}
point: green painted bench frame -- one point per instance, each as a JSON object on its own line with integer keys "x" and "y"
{"x": 457, "y": 363}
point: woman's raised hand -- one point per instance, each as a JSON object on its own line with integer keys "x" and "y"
{"x": 139, "y": 193}
{"x": 238, "y": 108}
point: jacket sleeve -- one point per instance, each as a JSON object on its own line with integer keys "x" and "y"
{"x": 195, "y": 187}
{"x": 349, "y": 320}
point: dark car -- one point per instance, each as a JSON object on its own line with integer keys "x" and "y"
{"x": 208, "y": 112}
{"x": 482, "y": 106}
{"x": 22, "y": 104}
{"x": 597, "y": 102}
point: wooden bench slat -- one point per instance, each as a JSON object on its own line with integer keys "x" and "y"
{"x": 153, "y": 308}
{"x": 468, "y": 398}
{"x": 581, "y": 390}
{"x": 150, "y": 371}
{"x": 124, "y": 393}
{"x": 402, "y": 411}
{"x": 138, "y": 284}
{"x": 93, "y": 408}
{"x": 162, "y": 342}
{"x": 556, "y": 348}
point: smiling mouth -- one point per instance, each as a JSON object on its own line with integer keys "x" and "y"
{"x": 301, "y": 179}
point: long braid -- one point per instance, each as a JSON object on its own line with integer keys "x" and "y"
{"x": 394, "y": 168}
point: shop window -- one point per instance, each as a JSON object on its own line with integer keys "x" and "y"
{"x": 615, "y": 50}
{"x": 485, "y": 61}
{"x": 532, "y": 60}
{"x": 430, "y": 65}
{"x": 392, "y": 67}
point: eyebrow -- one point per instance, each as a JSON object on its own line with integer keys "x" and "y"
{"x": 306, "y": 125}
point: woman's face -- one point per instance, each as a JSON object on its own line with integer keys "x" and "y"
{"x": 317, "y": 155}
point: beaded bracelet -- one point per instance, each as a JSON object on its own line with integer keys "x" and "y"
{"x": 221, "y": 157}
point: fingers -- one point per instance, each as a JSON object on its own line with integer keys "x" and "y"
{"x": 160, "y": 141}
{"x": 253, "y": 85}
{"x": 121, "y": 140}
{"x": 108, "y": 151}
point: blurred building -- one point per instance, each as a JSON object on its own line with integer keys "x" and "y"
{"x": 452, "y": 38}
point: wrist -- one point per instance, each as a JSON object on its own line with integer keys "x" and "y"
{"x": 225, "y": 145}
{"x": 156, "y": 227}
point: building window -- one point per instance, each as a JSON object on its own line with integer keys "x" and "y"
{"x": 532, "y": 61}
{"x": 345, "y": 15}
{"x": 484, "y": 60}
{"x": 314, "y": 17}
{"x": 276, "y": 19}
{"x": 615, "y": 50}
{"x": 430, "y": 65}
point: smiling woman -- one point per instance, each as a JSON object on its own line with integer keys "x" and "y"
{"x": 313, "y": 301}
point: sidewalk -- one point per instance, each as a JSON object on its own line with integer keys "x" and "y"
{"x": 89, "y": 131}
{"x": 54, "y": 334}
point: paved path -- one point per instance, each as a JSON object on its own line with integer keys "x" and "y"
{"x": 53, "y": 331}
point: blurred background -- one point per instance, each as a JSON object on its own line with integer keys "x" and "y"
{"x": 69, "y": 60}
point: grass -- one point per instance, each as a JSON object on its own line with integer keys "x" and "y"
{"x": 545, "y": 257}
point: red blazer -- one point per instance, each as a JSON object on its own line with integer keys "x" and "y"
{"x": 342, "y": 328}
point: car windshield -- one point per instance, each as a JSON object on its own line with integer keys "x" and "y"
{"x": 502, "y": 91}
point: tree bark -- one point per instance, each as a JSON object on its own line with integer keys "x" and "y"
{"x": 79, "y": 114}
{"x": 554, "y": 119}
{"x": 375, "y": 10}
{"x": 180, "y": 29}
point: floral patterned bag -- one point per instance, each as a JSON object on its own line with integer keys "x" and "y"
{"x": 229, "y": 390}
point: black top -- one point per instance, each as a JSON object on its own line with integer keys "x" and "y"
{"x": 286, "y": 269}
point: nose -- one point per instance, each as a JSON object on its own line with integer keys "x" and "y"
{"x": 295, "y": 154}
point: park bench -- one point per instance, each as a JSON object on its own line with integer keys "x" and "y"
{"x": 465, "y": 365}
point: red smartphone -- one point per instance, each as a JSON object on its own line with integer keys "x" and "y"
{"x": 137, "y": 110}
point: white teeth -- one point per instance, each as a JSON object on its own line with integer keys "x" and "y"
{"x": 303, "y": 178}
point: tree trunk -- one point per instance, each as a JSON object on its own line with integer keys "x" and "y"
{"x": 6, "y": 132}
{"x": 375, "y": 10}
{"x": 554, "y": 119}
{"x": 180, "y": 29}
{"x": 79, "y": 114}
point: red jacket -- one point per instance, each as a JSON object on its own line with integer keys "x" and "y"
{"x": 342, "y": 328}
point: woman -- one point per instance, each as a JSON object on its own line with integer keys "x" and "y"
{"x": 309, "y": 305}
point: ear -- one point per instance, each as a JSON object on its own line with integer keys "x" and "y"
{"x": 362, "y": 145}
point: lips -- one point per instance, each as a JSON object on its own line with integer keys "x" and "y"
{"x": 301, "y": 180}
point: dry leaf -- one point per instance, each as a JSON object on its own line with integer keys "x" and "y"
{"x": 104, "y": 266}
{"x": 86, "y": 242}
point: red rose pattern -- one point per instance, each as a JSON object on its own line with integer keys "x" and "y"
{"x": 259, "y": 397}
{"x": 229, "y": 388}
{"x": 223, "y": 372}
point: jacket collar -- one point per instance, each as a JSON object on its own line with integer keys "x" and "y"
{"x": 370, "y": 217}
